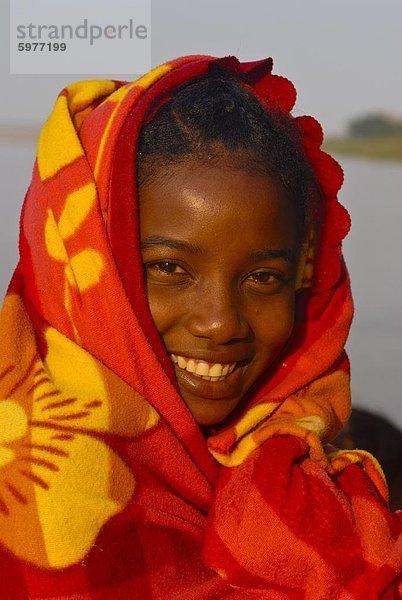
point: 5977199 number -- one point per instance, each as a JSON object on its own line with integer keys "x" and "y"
{"x": 42, "y": 47}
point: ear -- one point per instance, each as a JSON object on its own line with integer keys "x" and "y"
{"x": 304, "y": 277}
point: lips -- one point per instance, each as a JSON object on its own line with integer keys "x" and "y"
{"x": 210, "y": 387}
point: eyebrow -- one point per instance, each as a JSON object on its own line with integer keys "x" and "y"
{"x": 176, "y": 244}
{"x": 285, "y": 253}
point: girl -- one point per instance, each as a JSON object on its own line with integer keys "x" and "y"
{"x": 172, "y": 369}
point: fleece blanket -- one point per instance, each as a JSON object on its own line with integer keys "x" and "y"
{"x": 108, "y": 489}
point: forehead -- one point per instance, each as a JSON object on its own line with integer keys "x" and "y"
{"x": 219, "y": 206}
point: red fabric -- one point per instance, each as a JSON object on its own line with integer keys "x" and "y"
{"x": 108, "y": 488}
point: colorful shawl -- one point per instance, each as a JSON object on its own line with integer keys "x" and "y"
{"x": 108, "y": 488}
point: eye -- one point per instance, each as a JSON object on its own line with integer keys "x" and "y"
{"x": 266, "y": 280}
{"x": 164, "y": 268}
{"x": 264, "y": 277}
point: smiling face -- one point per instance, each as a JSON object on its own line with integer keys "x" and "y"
{"x": 220, "y": 249}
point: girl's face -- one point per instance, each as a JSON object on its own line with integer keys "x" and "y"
{"x": 220, "y": 249}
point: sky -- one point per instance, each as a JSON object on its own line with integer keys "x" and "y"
{"x": 343, "y": 56}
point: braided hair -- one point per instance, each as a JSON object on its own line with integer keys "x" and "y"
{"x": 215, "y": 117}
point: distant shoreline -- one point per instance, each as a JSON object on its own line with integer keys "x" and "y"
{"x": 380, "y": 148}
{"x": 387, "y": 148}
{"x": 19, "y": 133}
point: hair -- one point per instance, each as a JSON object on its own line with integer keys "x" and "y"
{"x": 215, "y": 117}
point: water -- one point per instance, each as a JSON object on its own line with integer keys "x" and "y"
{"x": 16, "y": 162}
{"x": 373, "y": 250}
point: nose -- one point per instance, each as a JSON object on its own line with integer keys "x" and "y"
{"x": 216, "y": 314}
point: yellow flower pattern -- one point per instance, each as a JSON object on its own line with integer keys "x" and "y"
{"x": 58, "y": 479}
{"x": 83, "y": 269}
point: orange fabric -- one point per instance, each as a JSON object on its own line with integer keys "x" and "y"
{"x": 107, "y": 486}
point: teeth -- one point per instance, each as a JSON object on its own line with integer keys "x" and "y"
{"x": 208, "y": 371}
{"x": 191, "y": 366}
{"x": 182, "y": 362}
{"x": 217, "y": 370}
{"x": 202, "y": 369}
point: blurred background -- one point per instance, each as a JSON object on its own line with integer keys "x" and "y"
{"x": 344, "y": 58}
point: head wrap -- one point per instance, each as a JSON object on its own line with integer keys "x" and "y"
{"x": 108, "y": 488}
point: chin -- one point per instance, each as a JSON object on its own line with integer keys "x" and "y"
{"x": 210, "y": 412}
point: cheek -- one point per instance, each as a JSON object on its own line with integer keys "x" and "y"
{"x": 165, "y": 311}
{"x": 273, "y": 324}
